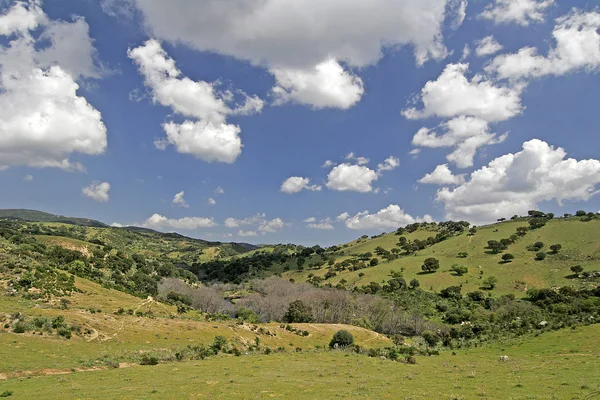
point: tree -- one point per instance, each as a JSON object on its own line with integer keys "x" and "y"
{"x": 508, "y": 257}
{"x": 373, "y": 262}
{"x": 430, "y": 264}
{"x": 341, "y": 338}
{"x": 540, "y": 256}
{"x": 581, "y": 213}
{"x": 490, "y": 283}
{"x": 459, "y": 270}
{"x": 535, "y": 223}
{"x": 451, "y": 292}
{"x": 577, "y": 269}
{"x": 298, "y": 312}
{"x": 430, "y": 338}
{"x": 494, "y": 246}
{"x": 414, "y": 283}
{"x": 555, "y": 248}
{"x": 472, "y": 231}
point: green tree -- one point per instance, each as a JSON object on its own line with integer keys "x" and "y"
{"x": 414, "y": 283}
{"x": 430, "y": 338}
{"x": 298, "y": 312}
{"x": 494, "y": 246}
{"x": 555, "y": 248}
{"x": 430, "y": 264}
{"x": 540, "y": 256}
{"x": 490, "y": 283}
{"x": 507, "y": 257}
{"x": 373, "y": 262}
{"x": 577, "y": 269}
{"x": 342, "y": 339}
{"x": 459, "y": 270}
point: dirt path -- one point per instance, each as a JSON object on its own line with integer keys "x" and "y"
{"x": 49, "y": 372}
{"x": 376, "y": 336}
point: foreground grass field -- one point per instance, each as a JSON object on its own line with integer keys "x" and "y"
{"x": 557, "y": 365}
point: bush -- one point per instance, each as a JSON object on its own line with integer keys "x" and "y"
{"x": 149, "y": 360}
{"x": 298, "y": 312}
{"x": 459, "y": 270}
{"x": 245, "y": 314}
{"x": 507, "y": 257}
{"x": 342, "y": 339}
{"x": 555, "y": 248}
{"x": 430, "y": 265}
{"x": 577, "y": 269}
{"x": 540, "y": 256}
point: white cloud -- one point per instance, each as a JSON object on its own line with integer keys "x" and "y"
{"x": 310, "y": 220}
{"x": 515, "y": 183}
{"x": 415, "y": 152}
{"x": 359, "y": 160}
{"x": 97, "y": 191}
{"x": 272, "y": 226}
{"x": 577, "y": 47}
{"x": 325, "y": 86}
{"x": 161, "y": 144}
{"x": 457, "y": 12}
{"x": 465, "y": 53}
{"x": 391, "y": 217}
{"x": 247, "y": 233}
{"x": 296, "y": 184}
{"x": 389, "y": 164}
{"x": 323, "y": 226}
{"x": 28, "y": 178}
{"x": 348, "y": 177}
{"x": 158, "y": 221}
{"x": 487, "y": 46}
{"x": 219, "y": 191}
{"x": 300, "y": 34}
{"x": 212, "y": 201}
{"x": 442, "y": 176}
{"x": 209, "y": 137}
{"x": 343, "y": 217}
{"x": 465, "y": 134}
{"x": 117, "y": 225}
{"x": 179, "y": 200}
{"x": 328, "y": 164}
{"x": 521, "y": 12}
{"x": 452, "y": 95}
{"x": 42, "y": 119}
{"x": 259, "y": 220}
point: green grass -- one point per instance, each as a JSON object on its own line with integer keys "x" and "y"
{"x": 557, "y": 365}
{"x": 580, "y": 247}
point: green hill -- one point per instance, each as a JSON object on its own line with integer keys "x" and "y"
{"x": 39, "y": 216}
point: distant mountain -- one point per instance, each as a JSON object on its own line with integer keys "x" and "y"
{"x": 40, "y": 216}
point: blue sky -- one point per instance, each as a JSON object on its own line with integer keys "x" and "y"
{"x": 298, "y": 89}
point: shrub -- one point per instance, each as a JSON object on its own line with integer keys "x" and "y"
{"x": 341, "y": 338}
{"x": 149, "y": 360}
{"x": 298, "y": 312}
{"x": 430, "y": 338}
{"x": 555, "y": 248}
{"x": 459, "y": 270}
{"x": 540, "y": 256}
{"x": 490, "y": 283}
{"x": 411, "y": 360}
{"x": 414, "y": 283}
{"x": 245, "y": 314}
{"x": 577, "y": 269}
{"x": 462, "y": 254}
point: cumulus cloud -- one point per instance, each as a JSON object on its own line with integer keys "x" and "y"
{"x": 272, "y": 226}
{"x": 521, "y": 12}
{"x": 296, "y": 42}
{"x": 343, "y": 216}
{"x": 577, "y": 47}
{"x": 212, "y": 201}
{"x": 259, "y": 220}
{"x": 243, "y": 233}
{"x": 487, "y": 46}
{"x": 325, "y": 86}
{"x": 208, "y": 137}
{"x": 310, "y": 220}
{"x": 219, "y": 191}
{"x": 389, "y": 164}
{"x": 515, "y": 183}
{"x": 323, "y": 226}
{"x": 296, "y": 184}
{"x": 349, "y": 177}
{"x": 465, "y": 134}
{"x": 391, "y": 217}
{"x": 158, "y": 221}
{"x": 453, "y": 95}
{"x": 179, "y": 200}
{"x": 42, "y": 119}
{"x": 97, "y": 191}
{"x": 358, "y": 160}
{"x": 328, "y": 164}
{"x": 442, "y": 175}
